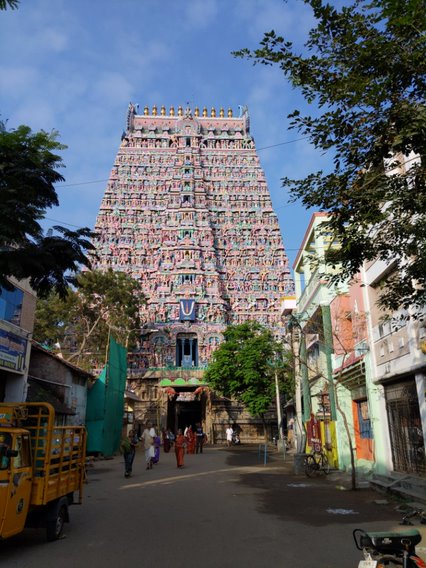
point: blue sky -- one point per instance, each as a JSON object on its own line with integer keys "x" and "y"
{"x": 73, "y": 66}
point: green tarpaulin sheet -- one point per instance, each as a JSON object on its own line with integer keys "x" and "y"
{"x": 105, "y": 404}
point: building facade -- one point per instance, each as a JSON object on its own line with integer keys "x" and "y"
{"x": 361, "y": 371}
{"x": 187, "y": 213}
{"x": 17, "y": 308}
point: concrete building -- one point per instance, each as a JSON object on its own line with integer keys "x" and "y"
{"x": 17, "y": 307}
{"x": 362, "y": 371}
{"x": 398, "y": 350}
{"x": 55, "y": 380}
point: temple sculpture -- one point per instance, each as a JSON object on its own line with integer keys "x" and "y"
{"x": 187, "y": 213}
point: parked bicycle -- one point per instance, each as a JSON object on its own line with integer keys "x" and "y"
{"x": 383, "y": 549}
{"x": 316, "y": 463}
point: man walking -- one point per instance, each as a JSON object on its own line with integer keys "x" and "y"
{"x": 199, "y": 438}
{"x": 128, "y": 449}
{"x": 148, "y": 442}
{"x": 229, "y": 434}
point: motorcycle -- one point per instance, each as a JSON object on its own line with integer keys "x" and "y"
{"x": 236, "y": 440}
{"x": 383, "y": 549}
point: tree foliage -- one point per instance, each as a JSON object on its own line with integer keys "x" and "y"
{"x": 102, "y": 303}
{"x": 243, "y": 367}
{"x": 12, "y": 4}
{"x": 28, "y": 172}
{"x": 364, "y": 65}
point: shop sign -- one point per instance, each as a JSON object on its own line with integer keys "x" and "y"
{"x": 12, "y": 351}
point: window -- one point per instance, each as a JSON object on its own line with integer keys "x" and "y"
{"x": 364, "y": 419}
{"x": 11, "y": 305}
{"x": 23, "y": 447}
{"x": 5, "y": 444}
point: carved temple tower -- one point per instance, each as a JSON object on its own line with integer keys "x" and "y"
{"x": 188, "y": 214}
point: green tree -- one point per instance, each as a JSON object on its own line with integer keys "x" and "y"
{"x": 243, "y": 367}
{"x": 364, "y": 65}
{"x": 12, "y": 4}
{"x": 28, "y": 172}
{"x": 101, "y": 304}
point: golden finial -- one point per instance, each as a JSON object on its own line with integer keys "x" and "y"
{"x": 213, "y": 112}
{"x": 221, "y": 112}
{"x": 154, "y": 110}
{"x": 230, "y": 112}
{"x": 146, "y": 111}
{"x": 180, "y": 111}
{"x": 172, "y": 111}
{"x": 197, "y": 111}
{"x": 163, "y": 111}
{"x": 205, "y": 111}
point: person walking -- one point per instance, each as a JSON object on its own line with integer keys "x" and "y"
{"x": 128, "y": 449}
{"x": 190, "y": 437}
{"x": 148, "y": 442}
{"x": 180, "y": 443}
{"x": 199, "y": 436}
{"x": 229, "y": 434}
{"x": 157, "y": 445}
{"x": 166, "y": 441}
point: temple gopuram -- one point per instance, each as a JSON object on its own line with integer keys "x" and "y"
{"x": 187, "y": 213}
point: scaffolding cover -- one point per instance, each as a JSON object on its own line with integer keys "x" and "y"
{"x": 105, "y": 403}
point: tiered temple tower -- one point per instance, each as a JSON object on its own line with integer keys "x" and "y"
{"x": 188, "y": 214}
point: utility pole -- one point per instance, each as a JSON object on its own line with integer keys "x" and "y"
{"x": 279, "y": 415}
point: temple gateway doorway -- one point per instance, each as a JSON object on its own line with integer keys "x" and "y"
{"x": 185, "y": 409}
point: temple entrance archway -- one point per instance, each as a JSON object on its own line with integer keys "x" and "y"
{"x": 185, "y": 410}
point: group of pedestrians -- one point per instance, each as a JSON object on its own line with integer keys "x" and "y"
{"x": 189, "y": 441}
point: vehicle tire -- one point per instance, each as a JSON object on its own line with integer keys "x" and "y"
{"x": 311, "y": 466}
{"x": 325, "y": 465}
{"x": 55, "y": 523}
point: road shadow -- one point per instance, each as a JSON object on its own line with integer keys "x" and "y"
{"x": 316, "y": 502}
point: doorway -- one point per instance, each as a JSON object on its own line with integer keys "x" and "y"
{"x": 182, "y": 414}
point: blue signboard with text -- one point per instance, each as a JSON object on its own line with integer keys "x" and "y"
{"x": 12, "y": 351}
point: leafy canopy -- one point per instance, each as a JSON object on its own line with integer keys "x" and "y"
{"x": 28, "y": 172}
{"x": 243, "y": 367}
{"x": 102, "y": 303}
{"x": 364, "y": 65}
{"x": 12, "y": 4}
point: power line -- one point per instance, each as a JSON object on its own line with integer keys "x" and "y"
{"x": 258, "y": 149}
{"x": 282, "y": 143}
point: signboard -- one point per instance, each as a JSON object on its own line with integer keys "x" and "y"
{"x": 12, "y": 351}
{"x": 187, "y": 310}
{"x": 314, "y": 434}
{"x": 186, "y": 396}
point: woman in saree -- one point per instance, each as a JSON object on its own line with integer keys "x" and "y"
{"x": 190, "y": 435}
{"x": 157, "y": 444}
{"x": 180, "y": 443}
{"x": 166, "y": 441}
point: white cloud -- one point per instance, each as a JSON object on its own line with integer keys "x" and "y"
{"x": 15, "y": 81}
{"x": 201, "y": 14}
{"x": 291, "y": 18}
{"x": 110, "y": 86}
{"x": 49, "y": 39}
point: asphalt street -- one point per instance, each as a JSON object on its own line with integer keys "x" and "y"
{"x": 224, "y": 509}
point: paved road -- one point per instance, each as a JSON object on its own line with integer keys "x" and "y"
{"x": 224, "y": 509}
